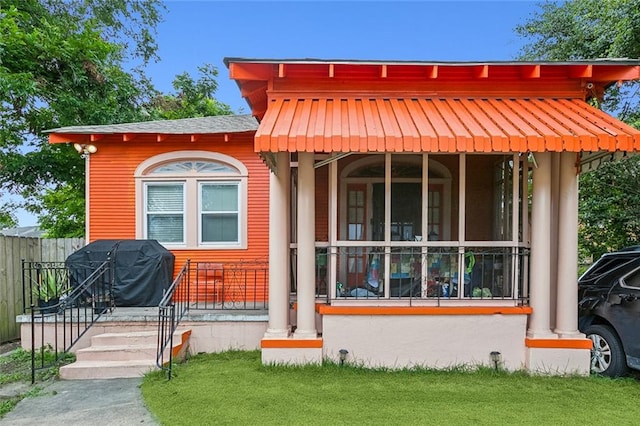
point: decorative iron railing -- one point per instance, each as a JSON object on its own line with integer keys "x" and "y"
{"x": 171, "y": 309}
{"x": 208, "y": 286}
{"x": 64, "y": 303}
{"x": 419, "y": 272}
{"x": 241, "y": 285}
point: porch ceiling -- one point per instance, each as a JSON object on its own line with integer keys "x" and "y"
{"x": 410, "y": 124}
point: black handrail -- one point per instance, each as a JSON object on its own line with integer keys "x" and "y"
{"x": 176, "y": 298}
{"x": 83, "y": 294}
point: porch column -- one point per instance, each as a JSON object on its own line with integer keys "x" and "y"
{"x": 567, "y": 296}
{"x": 540, "y": 290}
{"x": 306, "y": 324}
{"x": 279, "y": 183}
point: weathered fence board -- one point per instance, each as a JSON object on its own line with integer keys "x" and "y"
{"x": 12, "y": 251}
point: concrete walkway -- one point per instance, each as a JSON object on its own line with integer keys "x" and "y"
{"x": 84, "y": 402}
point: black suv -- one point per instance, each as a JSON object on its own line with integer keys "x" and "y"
{"x": 609, "y": 311}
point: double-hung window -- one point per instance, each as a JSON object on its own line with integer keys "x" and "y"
{"x": 192, "y": 199}
{"x": 219, "y": 213}
{"x": 164, "y": 205}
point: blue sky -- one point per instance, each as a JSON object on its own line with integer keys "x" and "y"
{"x": 198, "y": 32}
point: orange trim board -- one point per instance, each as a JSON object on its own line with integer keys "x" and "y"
{"x": 423, "y": 310}
{"x": 558, "y": 343}
{"x": 290, "y": 343}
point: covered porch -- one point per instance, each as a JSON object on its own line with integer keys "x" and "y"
{"x": 432, "y": 205}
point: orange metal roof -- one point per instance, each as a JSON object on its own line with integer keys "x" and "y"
{"x": 370, "y": 124}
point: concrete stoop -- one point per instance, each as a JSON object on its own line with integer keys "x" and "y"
{"x": 121, "y": 355}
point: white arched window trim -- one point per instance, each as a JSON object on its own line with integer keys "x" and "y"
{"x": 195, "y": 186}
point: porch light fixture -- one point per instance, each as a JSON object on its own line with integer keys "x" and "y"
{"x": 343, "y": 355}
{"x": 496, "y": 357}
{"x": 85, "y": 150}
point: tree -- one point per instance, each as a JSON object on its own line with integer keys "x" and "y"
{"x": 590, "y": 29}
{"x": 58, "y": 68}
{"x": 193, "y": 98}
{"x": 62, "y": 63}
{"x": 609, "y": 206}
{"x": 7, "y": 218}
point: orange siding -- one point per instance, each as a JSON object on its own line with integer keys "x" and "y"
{"x": 112, "y": 191}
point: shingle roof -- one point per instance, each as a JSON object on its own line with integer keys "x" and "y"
{"x": 200, "y": 125}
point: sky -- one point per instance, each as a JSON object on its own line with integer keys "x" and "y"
{"x": 194, "y": 33}
{"x": 198, "y": 32}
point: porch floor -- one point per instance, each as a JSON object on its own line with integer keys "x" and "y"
{"x": 150, "y": 314}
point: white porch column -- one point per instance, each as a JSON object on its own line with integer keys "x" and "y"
{"x": 306, "y": 324}
{"x": 567, "y": 283}
{"x": 555, "y": 208}
{"x": 540, "y": 290}
{"x": 279, "y": 183}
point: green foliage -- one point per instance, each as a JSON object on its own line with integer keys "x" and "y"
{"x": 58, "y": 67}
{"x": 244, "y": 391}
{"x": 591, "y": 29}
{"x": 62, "y": 63}
{"x": 7, "y": 218}
{"x": 62, "y": 214}
{"x": 609, "y": 206}
{"x": 583, "y": 29}
{"x": 51, "y": 284}
{"x": 193, "y": 98}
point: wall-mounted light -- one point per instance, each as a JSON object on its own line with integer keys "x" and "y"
{"x": 343, "y": 355}
{"x": 496, "y": 358}
{"x": 85, "y": 150}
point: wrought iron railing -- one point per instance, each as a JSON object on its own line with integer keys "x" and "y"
{"x": 64, "y": 303}
{"x": 171, "y": 309}
{"x": 419, "y": 272}
{"x": 241, "y": 285}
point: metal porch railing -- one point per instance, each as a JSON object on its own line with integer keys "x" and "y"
{"x": 241, "y": 285}
{"x": 409, "y": 273}
{"x": 64, "y": 303}
{"x": 171, "y": 309}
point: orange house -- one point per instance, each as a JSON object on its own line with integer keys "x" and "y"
{"x": 417, "y": 213}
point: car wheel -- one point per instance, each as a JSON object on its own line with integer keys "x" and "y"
{"x": 607, "y": 354}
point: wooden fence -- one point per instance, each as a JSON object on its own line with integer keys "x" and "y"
{"x": 12, "y": 251}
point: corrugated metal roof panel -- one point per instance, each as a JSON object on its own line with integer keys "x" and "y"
{"x": 379, "y": 124}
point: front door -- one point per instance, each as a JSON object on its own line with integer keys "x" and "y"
{"x": 356, "y": 231}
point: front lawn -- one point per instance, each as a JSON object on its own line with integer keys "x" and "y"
{"x": 234, "y": 388}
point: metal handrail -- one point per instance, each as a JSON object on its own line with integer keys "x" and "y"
{"x": 168, "y": 320}
{"x": 413, "y": 272}
{"x": 75, "y": 312}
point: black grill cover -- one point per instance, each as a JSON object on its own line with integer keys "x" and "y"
{"x": 143, "y": 269}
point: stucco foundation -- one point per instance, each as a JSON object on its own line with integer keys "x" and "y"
{"x": 210, "y": 332}
{"x": 558, "y": 361}
{"x": 292, "y": 356}
{"x": 438, "y": 341}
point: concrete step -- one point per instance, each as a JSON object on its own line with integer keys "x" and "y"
{"x": 118, "y": 352}
{"x": 117, "y": 355}
{"x": 126, "y": 338}
{"x": 86, "y": 370}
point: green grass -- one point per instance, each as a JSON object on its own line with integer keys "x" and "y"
{"x": 234, "y": 388}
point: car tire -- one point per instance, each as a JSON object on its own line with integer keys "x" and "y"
{"x": 607, "y": 355}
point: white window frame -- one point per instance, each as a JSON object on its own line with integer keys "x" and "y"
{"x": 192, "y": 204}
{"x": 147, "y": 212}
{"x": 238, "y": 211}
